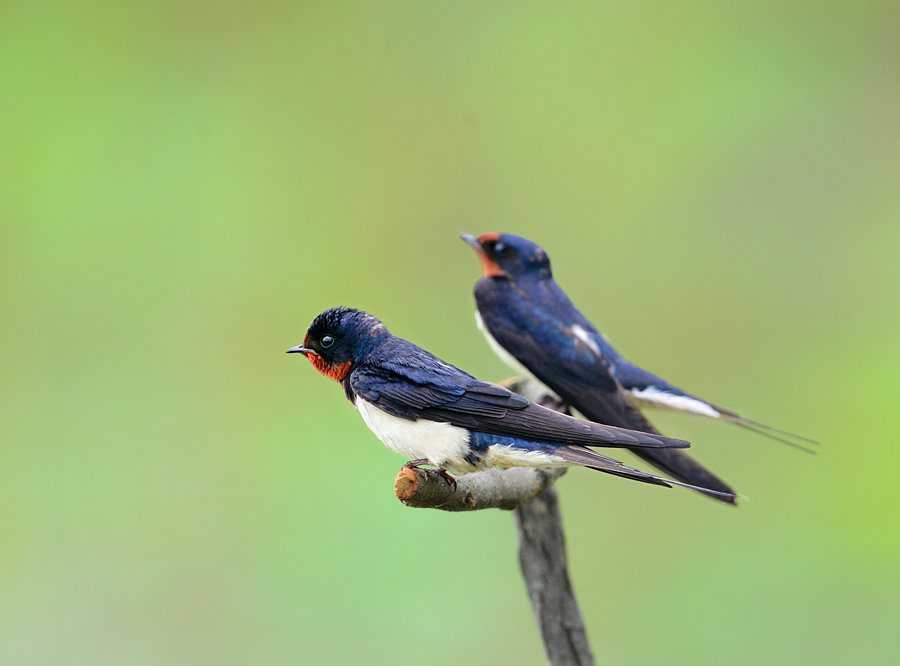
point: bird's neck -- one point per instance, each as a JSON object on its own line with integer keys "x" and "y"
{"x": 335, "y": 372}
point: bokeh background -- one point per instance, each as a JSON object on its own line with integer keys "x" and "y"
{"x": 185, "y": 185}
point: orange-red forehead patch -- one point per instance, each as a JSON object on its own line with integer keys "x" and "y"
{"x": 490, "y": 267}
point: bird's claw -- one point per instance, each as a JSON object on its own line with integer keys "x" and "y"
{"x": 437, "y": 471}
{"x": 441, "y": 472}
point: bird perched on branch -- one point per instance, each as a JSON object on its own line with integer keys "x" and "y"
{"x": 533, "y": 326}
{"x": 436, "y": 414}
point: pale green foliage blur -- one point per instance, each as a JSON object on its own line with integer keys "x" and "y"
{"x": 184, "y": 185}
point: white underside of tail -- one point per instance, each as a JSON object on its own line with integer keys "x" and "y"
{"x": 499, "y": 455}
{"x": 653, "y": 397}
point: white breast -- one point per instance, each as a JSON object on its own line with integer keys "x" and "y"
{"x": 442, "y": 444}
{"x": 445, "y": 445}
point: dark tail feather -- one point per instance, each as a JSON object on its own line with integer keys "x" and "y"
{"x": 601, "y": 463}
{"x": 673, "y": 462}
{"x": 687, "y": 470}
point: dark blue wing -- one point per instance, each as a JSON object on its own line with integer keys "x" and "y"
{"x": 408, "y": 382}
{"x": 540, "y": 327}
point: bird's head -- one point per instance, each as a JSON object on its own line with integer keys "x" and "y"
{"x": 511, "y": 257}
{"x": 338, "y": 338}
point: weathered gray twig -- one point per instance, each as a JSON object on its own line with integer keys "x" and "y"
{"x": 493, "y": 489}
{"x": 542, "y": 556}
{"x": 542, "y": 545}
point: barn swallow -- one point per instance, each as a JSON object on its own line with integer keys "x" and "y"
{"x": 532, "y": 325}
{"x": 436, "y": 414}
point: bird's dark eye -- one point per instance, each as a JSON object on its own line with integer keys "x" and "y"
{"x": 326, "y": 341}
{"x": 499, "y": 247}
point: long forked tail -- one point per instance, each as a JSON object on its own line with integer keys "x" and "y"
{"x": 767, "y": 430}
{"x": 584, "y": 456}
{"x": 675, "y": 463}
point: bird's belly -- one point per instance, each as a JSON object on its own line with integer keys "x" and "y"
{"x": 442, "y": 444}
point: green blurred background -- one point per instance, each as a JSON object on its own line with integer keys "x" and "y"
{"x": 185, "y": 185}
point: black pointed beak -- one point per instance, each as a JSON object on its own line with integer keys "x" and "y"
{"x": 471, "y": 240}
{"x": 299, "y": 349}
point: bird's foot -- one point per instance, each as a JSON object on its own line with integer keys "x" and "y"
{"x": 441, "y": 472}
{"x": 437, "y": 471}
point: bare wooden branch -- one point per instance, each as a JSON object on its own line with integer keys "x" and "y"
{"x": 493, "y": 489}
{"x": 542, "y": 556}
{"x": 542, "y": 547}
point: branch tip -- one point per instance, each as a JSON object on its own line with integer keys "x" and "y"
{"x": 405, "y": 484}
